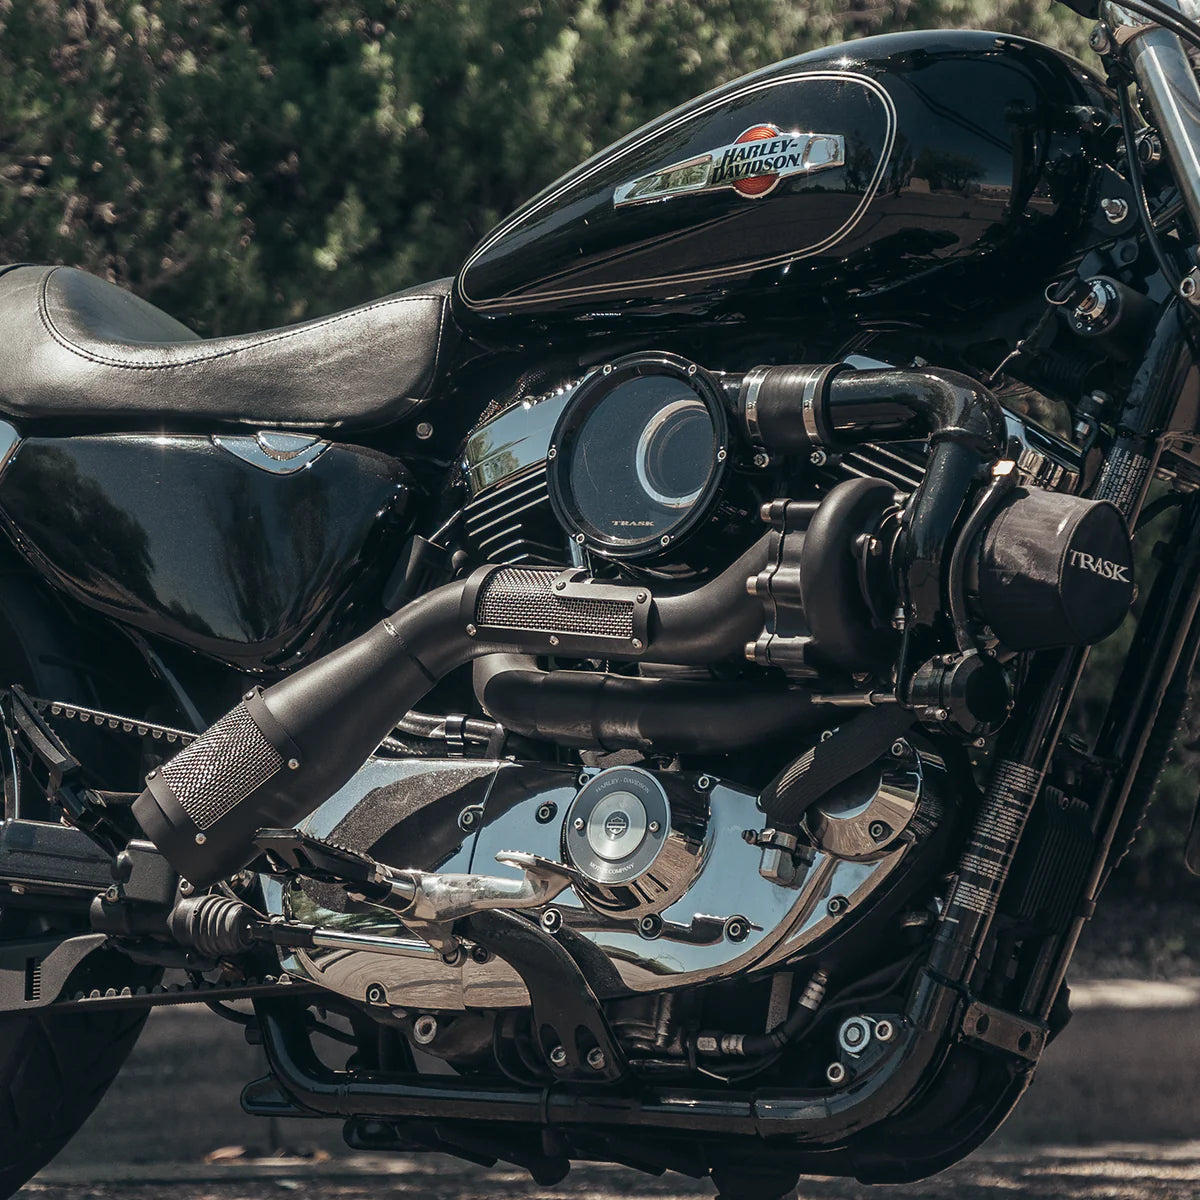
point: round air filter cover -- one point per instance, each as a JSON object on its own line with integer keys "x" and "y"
{"x": 639, "y": 455}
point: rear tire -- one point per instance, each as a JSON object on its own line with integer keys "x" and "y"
{"x": 55, "y": 1067}
{"x": 53, "y": 1071}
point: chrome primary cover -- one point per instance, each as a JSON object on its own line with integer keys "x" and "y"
{"x": 681, "y": 904}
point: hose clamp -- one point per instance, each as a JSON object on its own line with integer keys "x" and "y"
{"x": 751, "y": 384}
{"x": 808, "y": 410}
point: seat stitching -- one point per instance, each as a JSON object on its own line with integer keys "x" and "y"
{"x": 437, "y": 350}
{"x": 90, "y": 356}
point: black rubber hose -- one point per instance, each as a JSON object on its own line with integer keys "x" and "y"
{"x": 850, "y": 749}
{"x": 893, "y": 405}
{"x": 801, "y": 408}
{"x": 713, "y": 622}
{"x": 597, "y": 711}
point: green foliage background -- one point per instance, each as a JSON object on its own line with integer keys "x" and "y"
{"x": 245, "y": 165}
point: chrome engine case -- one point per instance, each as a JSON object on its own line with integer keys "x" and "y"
{"x": 706, "y": 909}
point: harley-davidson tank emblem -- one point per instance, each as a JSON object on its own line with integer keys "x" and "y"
{"x": 752, "y": 165}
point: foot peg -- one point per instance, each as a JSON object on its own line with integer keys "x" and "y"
{"x": 428, "y": 902}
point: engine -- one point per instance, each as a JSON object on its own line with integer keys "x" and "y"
{"x": 653, "y": 466}
{"x": 789, "y": 597}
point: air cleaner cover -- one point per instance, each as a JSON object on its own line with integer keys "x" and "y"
{"x": 1054, "y": 570}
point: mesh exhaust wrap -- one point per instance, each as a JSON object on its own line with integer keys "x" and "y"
{"x": 218, "y": 771}
{"x": 524, "y": 598}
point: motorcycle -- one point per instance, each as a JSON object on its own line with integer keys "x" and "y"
{"x": 708, "y": 802}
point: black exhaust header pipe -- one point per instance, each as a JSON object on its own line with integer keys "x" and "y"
{"x": 285, "y": 750}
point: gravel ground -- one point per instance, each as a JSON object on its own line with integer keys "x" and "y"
{"x": 1145, "y": 1172}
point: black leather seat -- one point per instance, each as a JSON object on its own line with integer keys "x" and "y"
{"x": 75, "y": 347}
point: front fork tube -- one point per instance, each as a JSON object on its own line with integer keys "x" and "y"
{"x": 1028, "y": 743}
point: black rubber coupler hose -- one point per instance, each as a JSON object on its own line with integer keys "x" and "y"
{"x": 851, "y": 748}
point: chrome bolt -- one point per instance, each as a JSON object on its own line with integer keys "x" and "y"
{"x": 665, "y": 540}
{"x": 1115, "y": 210}
{"x": 186, "y": 887}
{"x": 595, "y": 1059}
{"x": 636, "y": 643}
{"x": 654, "y": 826}
{"x": 471, "y": 631}
{"x": 691, "y": 368}
{"x": 546, "y": 812}
{"x": 579, "y": 538}
{"x": 554, "y": 639}
{"x": 561, "y": 586}
{"x": 376, "y": 993}
{"x": 878, "y": 830}
{"x": 837, "y": 905}
{"x": 552, "y": 452}
{"x": 884, "y": 1031}
{"x": 152, "y": 775}
{"x": 835, "y": 1072}
{"x": 818, "y": 458}
{"x": 942, "y": 714}
{"x": 293, "y": 764}
{"x": 200, "y": 839}
{"x": 826, "y": 734}
{"x": 703, "y": 783}
{"x": 558, "y": 1056}
{"x": 113, "y": 894}
{"x": 583, "y": 780}
{"x": 640, "y": 598}
{"x": 721, "y": 454}
{"x": 1149, "y": 148}
{"x": 551, "y": 920}
{"x": 578, "y": 825}
{"x": 650, "y": 926}
{"x": 607, "y": 369}
{"x": 854, "y": 1034}
{"x": 737, "y": 929}
{"x": 424, "y": 431}
{"x": 1098, "y": 40}
{"x": 249, "y": 695}
{"x": 899, "y": 749}
{"x": 425, "y": 1029}
{"x": 762, "y": 460}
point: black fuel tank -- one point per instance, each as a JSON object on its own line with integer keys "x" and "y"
{"x": 877, "y": 169}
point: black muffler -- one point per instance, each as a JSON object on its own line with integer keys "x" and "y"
{"x": 285, "y": 750}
